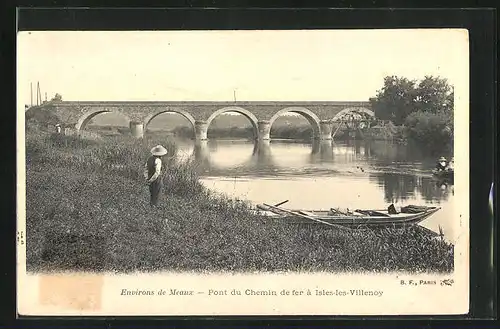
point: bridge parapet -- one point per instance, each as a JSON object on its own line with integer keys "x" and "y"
{"x": 200, "y": 114}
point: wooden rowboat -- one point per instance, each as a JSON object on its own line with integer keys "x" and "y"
{"x": 356, "y": 219}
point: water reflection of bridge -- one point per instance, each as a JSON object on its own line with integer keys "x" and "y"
{"x": 261, "y": 157}
{"x": 400, "y": 184}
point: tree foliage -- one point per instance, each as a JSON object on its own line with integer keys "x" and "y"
{"x": 434, "y": 95}
{"x": 395, "y": 100}
{"x": 424, "y": 108}
{"x": 434, "y": 131}
{"x": 399, "y": 97}
{"x": 57, "y": 98}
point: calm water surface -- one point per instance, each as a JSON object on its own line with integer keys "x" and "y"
{"x": 321, "y": 175}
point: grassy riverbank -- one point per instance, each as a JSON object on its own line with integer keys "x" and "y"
{"x": 88, "y": 209}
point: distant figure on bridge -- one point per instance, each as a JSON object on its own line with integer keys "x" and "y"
{"x": 152, "y": 173}
{"x": 58, "y": 128}
{"x": 442, "y": 164}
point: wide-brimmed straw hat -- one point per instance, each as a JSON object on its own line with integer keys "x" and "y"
{"x": 159, "y": 150}
{"x": 442, "y": 159}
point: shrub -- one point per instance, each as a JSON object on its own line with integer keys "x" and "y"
{"x": 303, "y": 132}
{"x": 430, "y": 130}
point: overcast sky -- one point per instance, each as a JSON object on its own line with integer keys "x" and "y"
{"x": 210, "y": 65}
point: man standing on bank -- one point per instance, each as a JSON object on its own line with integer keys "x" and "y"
{"x": 152, "y": 173}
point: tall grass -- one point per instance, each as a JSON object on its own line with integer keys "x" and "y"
{"x": 88, "y": 209}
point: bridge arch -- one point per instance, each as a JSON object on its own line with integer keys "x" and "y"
{"x": 249, "y": 115}
{"x": 354, "y": 110}
{"x": 87, "y": 116}
{"x": 184, "y": 113}
{"x": 306, "y": 113}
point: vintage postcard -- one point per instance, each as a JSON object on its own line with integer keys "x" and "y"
{"x": 307, "y": 172}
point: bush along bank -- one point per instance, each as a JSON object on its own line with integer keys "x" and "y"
{"x": 279, "y": 132}
{"x": 88, "y": 209}
{"x": 431, "y": 131}
{"x": 302, "y": 133}
{"x": 385, "y": 132}
{"x": 388, "y": 132}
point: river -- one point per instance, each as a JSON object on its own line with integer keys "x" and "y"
{"x": 321, "y": 175}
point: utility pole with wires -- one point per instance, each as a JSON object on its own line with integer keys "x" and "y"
{"x": 31, "y": 94}
{"x": 38, "y": 94}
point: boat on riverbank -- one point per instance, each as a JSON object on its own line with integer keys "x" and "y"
{"x": 408, "y": 216}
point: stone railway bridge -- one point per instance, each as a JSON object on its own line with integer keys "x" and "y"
{"x": 320, "y": 114}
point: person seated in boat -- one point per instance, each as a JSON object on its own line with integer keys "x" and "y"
{"x": 451, "y": 165}
{"x": 391, "y": 210}
{"x": 441, "y": 165}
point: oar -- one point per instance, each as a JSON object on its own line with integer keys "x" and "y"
{"x": 308, "y": 217}
{"x": 279, "y": 204}
{"x": 274, "y": 210}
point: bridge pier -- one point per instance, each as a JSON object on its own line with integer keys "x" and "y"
{"x": 137, "y": 129}
{"x": 261, "y": 155}
{"x": 264, "y": 128}
{"x": 200, "y": 130}
{"x": 262, "y": 148}
{"x": 322, "y": 150}
{"x": 325, "y": 130}
{"x": 202, "y": 153}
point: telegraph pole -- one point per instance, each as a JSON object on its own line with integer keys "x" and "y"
{"x": 39, "y": 94}
{"x": 31, "y": 94}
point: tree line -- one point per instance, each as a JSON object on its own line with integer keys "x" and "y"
{"x": 424, "y": 108}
